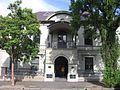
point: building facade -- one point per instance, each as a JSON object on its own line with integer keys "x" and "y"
{"x": 59, "y": 57}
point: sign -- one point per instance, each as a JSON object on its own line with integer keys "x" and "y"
{"x": 49, "y": 75}
{"x": 72, "y": 76}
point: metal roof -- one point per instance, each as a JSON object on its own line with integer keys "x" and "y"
{"x": 43, "y": 15}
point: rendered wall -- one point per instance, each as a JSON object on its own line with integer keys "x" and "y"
{"x": 4, "y": 59}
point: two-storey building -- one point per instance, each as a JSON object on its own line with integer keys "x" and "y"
{"x": 60, "y": 57}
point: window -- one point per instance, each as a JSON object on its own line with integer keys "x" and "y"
{"x": 88, "y": 64}
{"x": 88, "y": 38}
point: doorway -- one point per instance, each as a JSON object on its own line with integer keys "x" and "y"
{"x": 61, "y": 67}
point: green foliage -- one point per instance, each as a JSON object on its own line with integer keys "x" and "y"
{"x": 75, "y": 8}
{"x": 108, "y": 79}
{"x": 17, "y": 30}
{"x": 117, "y": 78}
{"x": 112, "y": 81}
{"x": 100, "y": 15}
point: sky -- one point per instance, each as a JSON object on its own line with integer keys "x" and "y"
{"x": 36, "y": 5}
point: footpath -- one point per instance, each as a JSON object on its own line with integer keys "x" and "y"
{"x": 63, "y": 85}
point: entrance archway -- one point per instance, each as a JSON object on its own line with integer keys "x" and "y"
{"x": 61, "y": 67}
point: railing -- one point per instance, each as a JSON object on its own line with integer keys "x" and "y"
{"x": 71, "y": 44}
{"x": 87, "y": 47}
{"x": 20, "y": 74}
{"x": 27, "y": 72}
{"x": 90, "y": 73}
{"x": 55, "y": 44}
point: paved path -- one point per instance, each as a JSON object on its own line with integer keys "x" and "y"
{"x": 63, "y": 85}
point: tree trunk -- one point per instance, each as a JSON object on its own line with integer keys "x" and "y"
{"x": 12, "y": 70}
{"x": 75, "y": 40}
{"x": 13, "y": 81}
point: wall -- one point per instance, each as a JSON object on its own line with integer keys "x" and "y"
{"x": 44, "y": 35}
{"x": 96, "y": 41}
{"x": 70, "y": 54}
{"x": 97, "y": 60}
{"x": 4, "y": 59}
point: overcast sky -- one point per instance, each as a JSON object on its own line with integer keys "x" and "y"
{"x": 37, "y": 5}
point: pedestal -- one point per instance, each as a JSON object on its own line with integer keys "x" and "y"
{"x": 72, "y": 77}
{"x": 49, "y": 77}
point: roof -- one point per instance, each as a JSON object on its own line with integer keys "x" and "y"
{"x": 43, "y": 15}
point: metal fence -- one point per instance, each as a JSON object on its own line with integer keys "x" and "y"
{"x": 20, "y": 73}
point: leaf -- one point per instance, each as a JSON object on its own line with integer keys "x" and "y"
{"x": 16, "y": 31}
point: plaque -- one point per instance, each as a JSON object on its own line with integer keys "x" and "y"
{"x": 72, "y": 76}
{"x": 49, "y": 75}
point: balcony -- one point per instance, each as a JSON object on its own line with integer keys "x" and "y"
{"x": 70, "y": 45}
{"x": 57, "y": 45}
{"x": 88, "y": 47}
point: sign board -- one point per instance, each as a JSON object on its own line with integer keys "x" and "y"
{"x": 49, "y": 75}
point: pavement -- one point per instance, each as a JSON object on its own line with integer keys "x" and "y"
{"x": 56, "y": 85}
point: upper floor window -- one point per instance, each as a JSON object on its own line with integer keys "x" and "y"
{"x": 88, "y": 40}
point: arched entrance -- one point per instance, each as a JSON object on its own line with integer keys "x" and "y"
{"x": 61, "y": 67}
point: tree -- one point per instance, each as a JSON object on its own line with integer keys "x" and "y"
{"x": 102, "y": 15}
{"x": 16, "y": 34}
